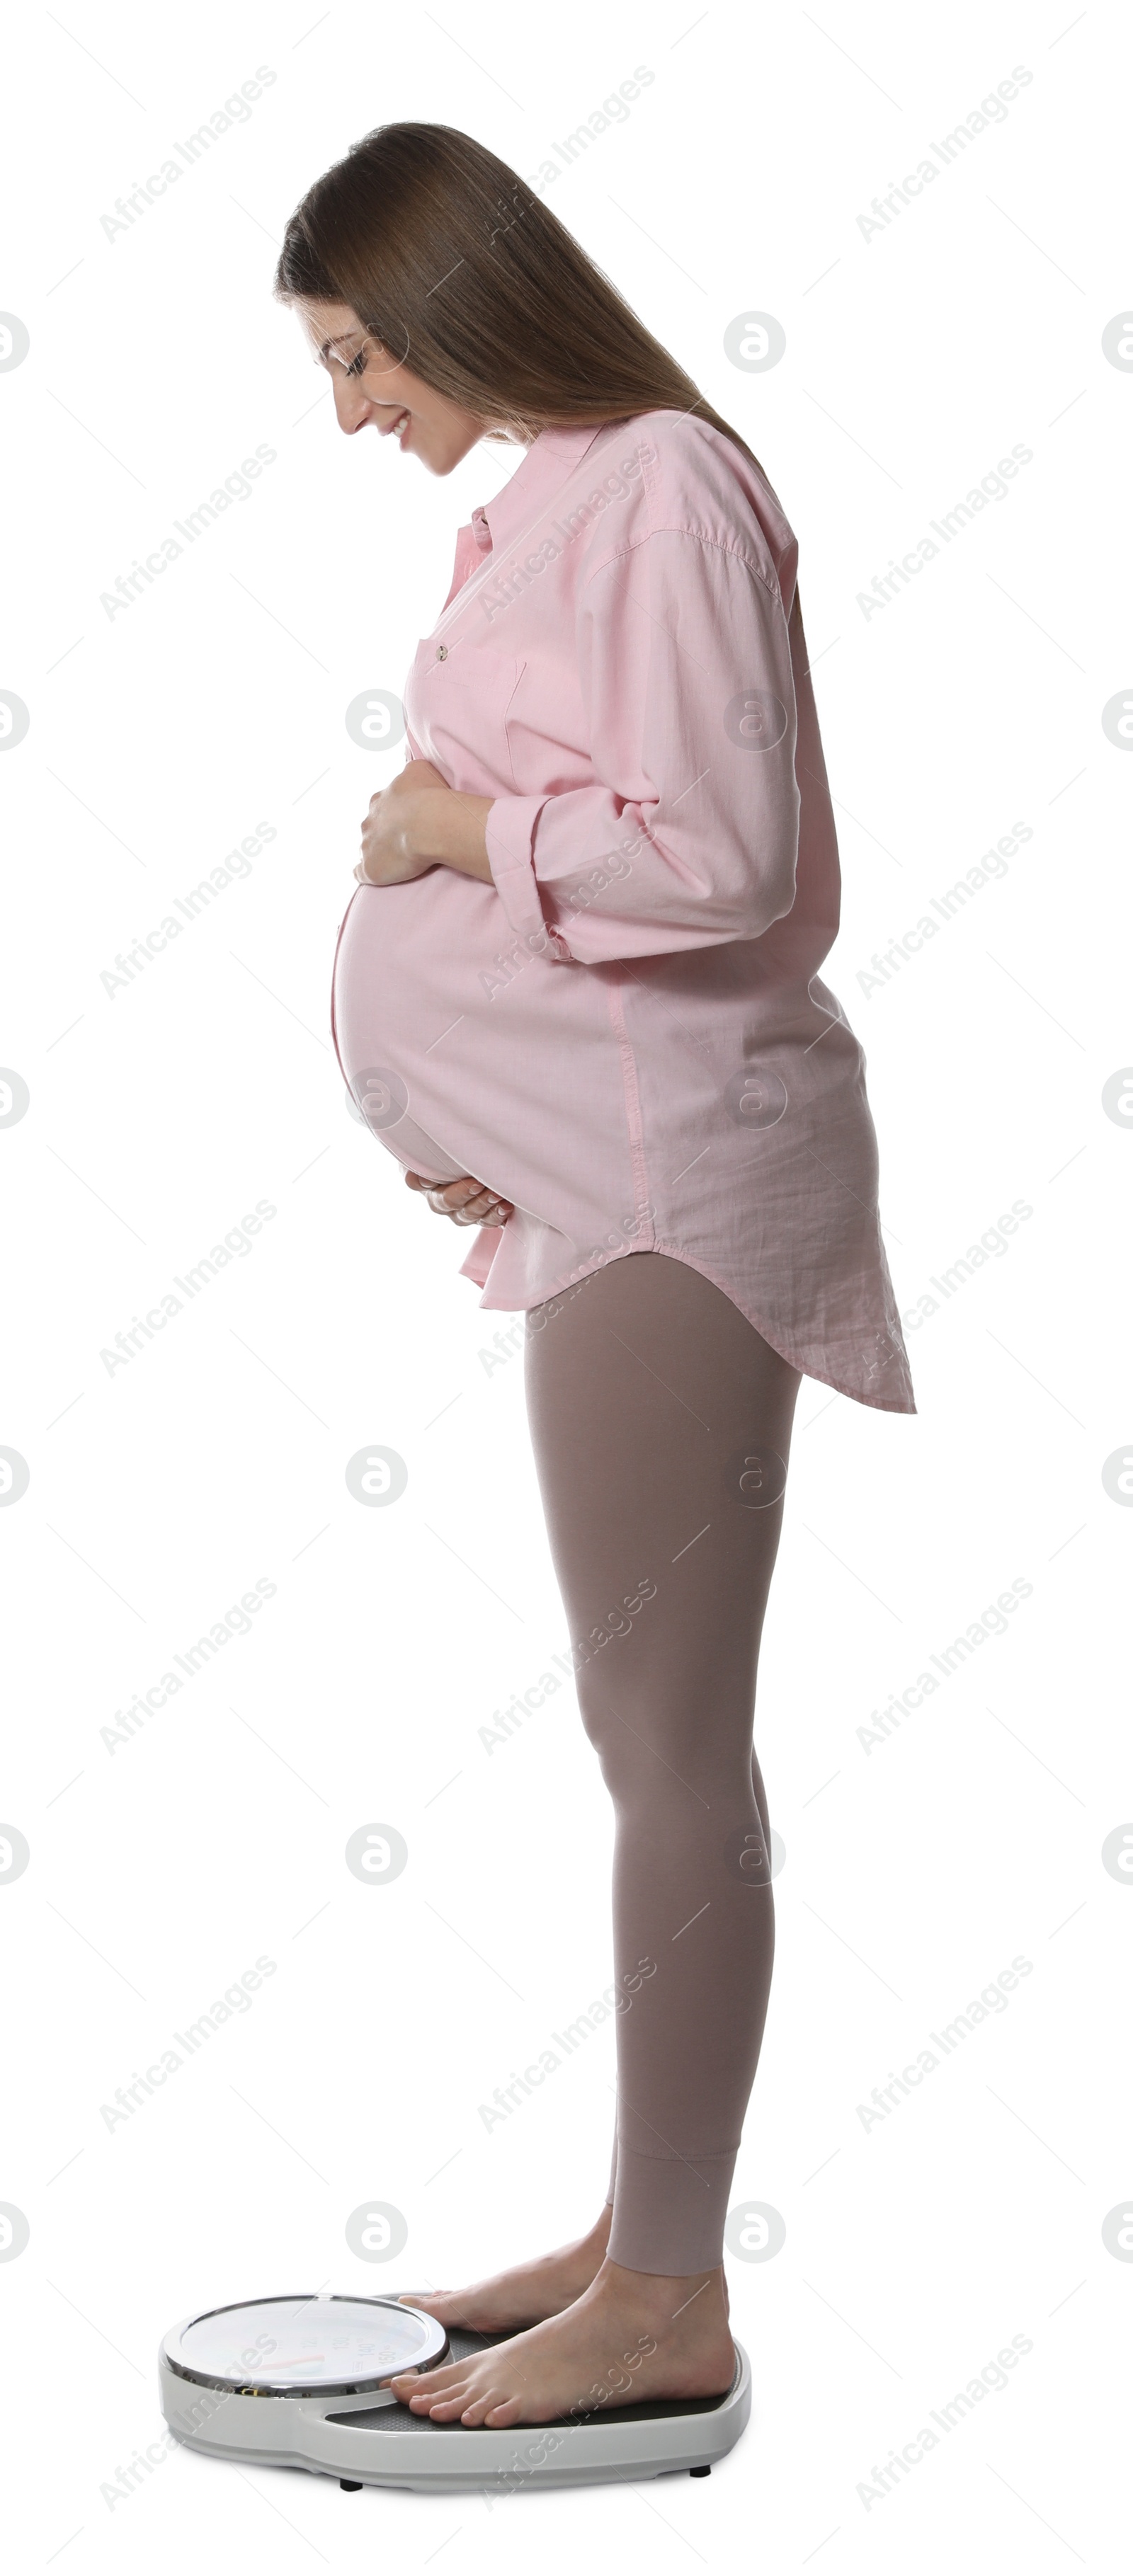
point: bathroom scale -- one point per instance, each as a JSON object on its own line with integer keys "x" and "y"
{"x": 302, "y": 2383}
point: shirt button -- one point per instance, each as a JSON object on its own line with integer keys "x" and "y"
{"x": 442, "y": 652}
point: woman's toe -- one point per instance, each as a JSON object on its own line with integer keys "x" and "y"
{"x": 501, "y": 2417}
{"x": 421, "y": 2401}
{"x": 478, "y": 2407}
{"x": 420, "y": 2387}
{"x": 445, "y": 2409}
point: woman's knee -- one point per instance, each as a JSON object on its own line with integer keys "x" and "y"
{"x": 655, "y": 1742}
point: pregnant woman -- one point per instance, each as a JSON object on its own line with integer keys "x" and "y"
{"x": 577, "y": 995}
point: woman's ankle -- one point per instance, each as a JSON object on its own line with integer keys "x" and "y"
{"x": 668, "y": 2292}
{"x": 598, "y": 2236}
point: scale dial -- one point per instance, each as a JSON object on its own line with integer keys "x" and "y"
{"x": 305, "y": 2346}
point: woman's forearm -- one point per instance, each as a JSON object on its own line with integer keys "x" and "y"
{"x": 449, "y": 827}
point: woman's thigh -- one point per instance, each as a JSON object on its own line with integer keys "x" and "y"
{"x": 661, "y": 1425}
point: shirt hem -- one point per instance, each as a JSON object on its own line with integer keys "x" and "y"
{"x": 806, "y": 1364}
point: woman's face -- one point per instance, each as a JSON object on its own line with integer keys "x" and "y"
{"x": 370, "y": 385}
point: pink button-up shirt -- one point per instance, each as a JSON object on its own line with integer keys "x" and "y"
{"x": 625, "y": 1033}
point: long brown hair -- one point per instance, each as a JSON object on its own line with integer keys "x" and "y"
{"x": 459, "y": 269}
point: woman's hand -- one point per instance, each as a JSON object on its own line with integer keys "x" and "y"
{"x": 466, "y": 1201}
{"x": 390, "y": 841}
{"x": 420, "y": 822}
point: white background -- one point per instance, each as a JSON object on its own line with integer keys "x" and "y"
{"x": 916, "y": 1869}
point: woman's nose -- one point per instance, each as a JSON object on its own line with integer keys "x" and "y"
{"x": 353, "y": 407}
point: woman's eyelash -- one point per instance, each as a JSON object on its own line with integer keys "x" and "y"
{"x": 357, "y": 365}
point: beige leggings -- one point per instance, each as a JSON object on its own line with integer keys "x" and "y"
{"x": 661, "y": 1424}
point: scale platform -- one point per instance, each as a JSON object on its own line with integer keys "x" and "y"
{"x": 298, "y": 2383}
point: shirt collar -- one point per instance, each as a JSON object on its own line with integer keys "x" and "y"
{"x": 551, "y": 457}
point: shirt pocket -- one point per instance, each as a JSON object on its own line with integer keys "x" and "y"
{"x": 457, "y": 699}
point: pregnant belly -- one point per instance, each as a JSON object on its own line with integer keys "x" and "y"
{"x": 458, "y": 1062}
{"x": 387, "y": 1008}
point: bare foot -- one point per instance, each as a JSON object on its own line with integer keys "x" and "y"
{"x": 629, "y": 2338}
{"x": 522, "y": 2297}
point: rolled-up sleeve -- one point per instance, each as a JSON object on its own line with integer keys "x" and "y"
{"x": 688, "y": 836}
